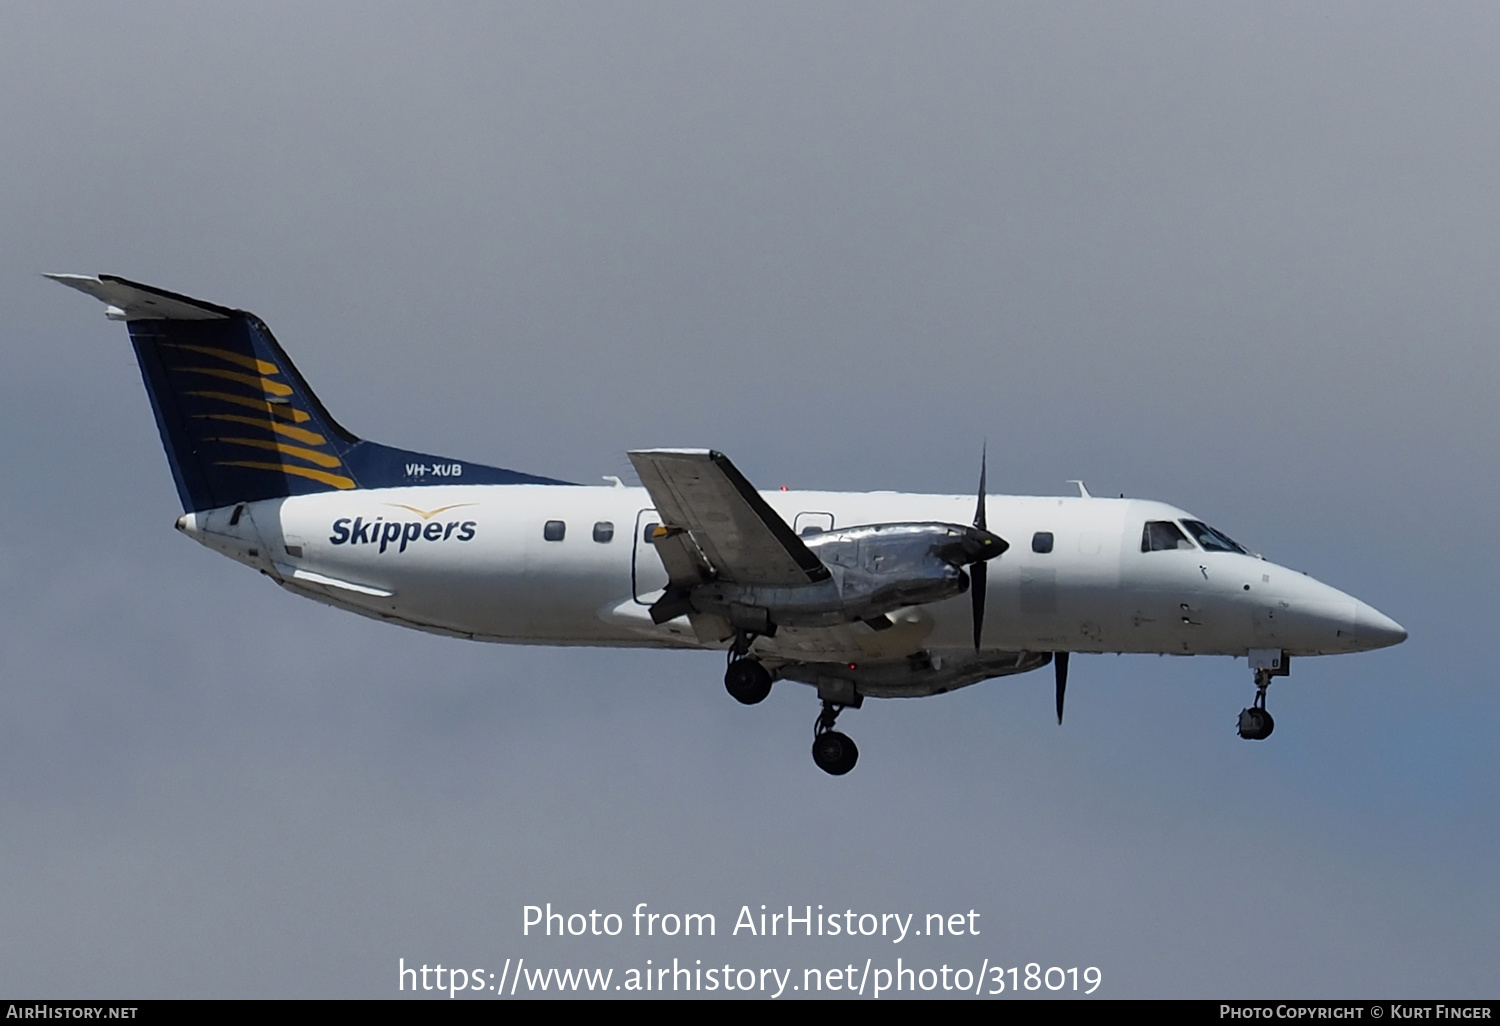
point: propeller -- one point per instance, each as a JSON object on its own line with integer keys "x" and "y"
{"x": 1060, "y": 663}
{"x": 979, "y": 570}
{"x": 971, "y": 549}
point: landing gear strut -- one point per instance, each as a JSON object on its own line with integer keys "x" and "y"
{"x": 834, "y": 752}
{"x": 746, "y": 679}
{"x": 1256, "y": 723}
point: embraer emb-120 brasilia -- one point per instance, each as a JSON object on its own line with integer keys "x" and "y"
{"x": 856, "y": 594}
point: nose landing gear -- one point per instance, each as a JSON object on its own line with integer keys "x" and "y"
{"x": 834, "y": 752}
{"x": 1256, "y": 723}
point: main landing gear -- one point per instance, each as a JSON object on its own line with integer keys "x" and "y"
{"x": 749, "y": 682}
{"x": 1256, "y": 723}
{"x": 746, "y": 679}
{"x": 833, "y": 752}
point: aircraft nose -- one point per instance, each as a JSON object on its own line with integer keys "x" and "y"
{"x": 1373, "y": 629}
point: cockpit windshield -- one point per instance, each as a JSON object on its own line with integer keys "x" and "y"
{"x": 1211, "y": 540}
{"x": 1160, "y": 535}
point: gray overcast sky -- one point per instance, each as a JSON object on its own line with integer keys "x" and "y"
{"x": 1240, "y": 257}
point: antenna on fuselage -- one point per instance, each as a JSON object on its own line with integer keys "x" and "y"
{"x": 1083, "y": 493}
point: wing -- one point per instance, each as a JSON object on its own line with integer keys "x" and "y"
{"x": 736, "y": 535}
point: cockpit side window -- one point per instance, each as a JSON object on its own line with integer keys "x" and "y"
{"x": 1211, "y": 540}
{"x": 1160, "y": 535}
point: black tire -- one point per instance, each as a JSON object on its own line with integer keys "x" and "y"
{"x": 835, "y": 753}
{"x": 1255, "y": 724}
{"x": 747, "y": 681}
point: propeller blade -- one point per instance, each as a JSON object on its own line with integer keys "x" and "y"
{"x": 978, "y": 580}
{"x": 979, "y": 572}
{"x": 1060, "y": 662}
{"x": 979, "y": 517}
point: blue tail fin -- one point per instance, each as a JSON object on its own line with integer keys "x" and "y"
{"x": 238, "y": 421}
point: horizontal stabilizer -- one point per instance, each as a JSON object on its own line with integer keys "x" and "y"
{"x": 129, "y": 301}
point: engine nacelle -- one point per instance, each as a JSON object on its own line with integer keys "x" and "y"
{"x": 874, "y": 569}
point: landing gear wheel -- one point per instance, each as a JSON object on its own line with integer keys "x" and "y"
{"x": 1256, "y": 724}
{"x": 748, "y": 681}
{"x": 835, "y": 753}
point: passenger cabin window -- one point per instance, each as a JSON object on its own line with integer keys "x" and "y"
{"x": 604, "y": 531}
{"x": 649, "y": 534}
{"x": 1211, "y": 540}
{"x": 1163, "y": 534}
{"x": 1041, "y": 541}
{"x": 554, "y": 530}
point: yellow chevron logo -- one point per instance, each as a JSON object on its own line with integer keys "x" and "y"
{"x": 321, "y": 459}
{"x": 429, "y": 514}
{"x": 248, "y": 362}
{"x": 296, "y": 434}
{"x": 282, "y": 410}
{"x": 333, "y": 480}
{"x": 265, "y": 385}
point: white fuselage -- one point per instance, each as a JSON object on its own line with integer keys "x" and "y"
{"x": 475, "y": 561}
